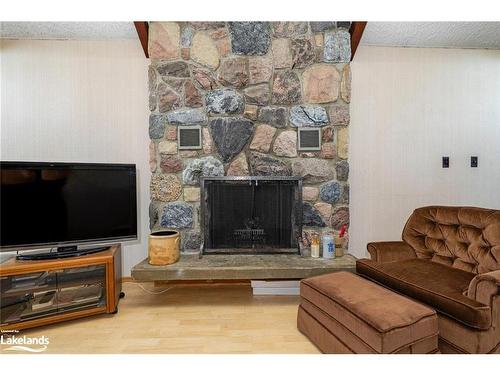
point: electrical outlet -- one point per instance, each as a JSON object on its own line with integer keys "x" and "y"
{"x": 446, "y": 162}
{"x": 473, "y": 161}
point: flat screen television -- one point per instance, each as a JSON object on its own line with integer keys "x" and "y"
{"x": 62, "y": 205}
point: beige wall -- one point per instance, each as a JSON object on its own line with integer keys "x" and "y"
{"x": 410, "y": 107}
{"x": 78, "y": 101}
{"x": 87, "y": 101}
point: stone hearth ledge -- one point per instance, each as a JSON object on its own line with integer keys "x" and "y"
{"x": 251, "y": 267}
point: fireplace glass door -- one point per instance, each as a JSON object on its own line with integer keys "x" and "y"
{"x": 251, "y": 216}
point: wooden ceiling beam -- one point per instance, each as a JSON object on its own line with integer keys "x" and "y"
{"x": 142, "y": 28}
{"x": 356, "y": 32}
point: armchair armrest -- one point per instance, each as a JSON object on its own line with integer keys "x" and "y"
{"x": 484, "y": 287}
{"x": 390, "y": 251}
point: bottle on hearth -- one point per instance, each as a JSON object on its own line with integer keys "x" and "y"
{"x": 315, "y": 245}
{"x": 341, "y": 241}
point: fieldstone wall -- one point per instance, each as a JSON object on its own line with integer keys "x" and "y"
{"x": 250, "y": 85}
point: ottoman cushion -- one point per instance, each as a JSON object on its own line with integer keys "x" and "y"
{"x": 364, "y": 316}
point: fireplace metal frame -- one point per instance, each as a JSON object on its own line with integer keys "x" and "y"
{"x": 250, "y": 179}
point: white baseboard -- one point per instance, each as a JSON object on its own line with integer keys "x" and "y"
{"x": 276, "y": 291}
{"x": 276, "y": 288}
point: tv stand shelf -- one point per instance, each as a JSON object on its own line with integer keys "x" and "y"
{"x": 40, "y": 292}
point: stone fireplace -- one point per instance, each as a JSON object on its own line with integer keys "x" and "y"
{"x": 251, "y": 215}
{"x": 247, "y": 88}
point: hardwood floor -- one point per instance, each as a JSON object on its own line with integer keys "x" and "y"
{"x": 185, "y": 319}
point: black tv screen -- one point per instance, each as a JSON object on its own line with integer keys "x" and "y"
{"x": 50, "y": 204}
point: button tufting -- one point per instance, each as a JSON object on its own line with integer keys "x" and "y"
{"x": 468, "y": 239}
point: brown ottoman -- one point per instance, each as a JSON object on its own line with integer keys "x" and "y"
{"x": 344, "y": 313}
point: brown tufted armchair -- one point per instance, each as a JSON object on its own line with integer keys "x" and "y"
{"x": 449, "y": 259}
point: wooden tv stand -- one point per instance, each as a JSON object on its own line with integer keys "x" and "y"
{"x": 36, "y": 293}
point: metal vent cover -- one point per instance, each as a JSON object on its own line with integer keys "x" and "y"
{"x": 189, "y": 137}
{"x": 309, "y": 139}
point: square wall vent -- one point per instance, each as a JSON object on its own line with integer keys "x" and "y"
{"x": 189, "y": 137}
{"x": 309, "y": 139}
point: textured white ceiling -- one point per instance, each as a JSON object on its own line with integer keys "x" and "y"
{"x": 68, "y": 30}
{"x": 433, "y": 34}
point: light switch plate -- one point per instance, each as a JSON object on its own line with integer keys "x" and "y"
{"x": 446, "y": 162}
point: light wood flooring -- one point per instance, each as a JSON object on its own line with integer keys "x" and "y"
{"x": 186, "y": 319}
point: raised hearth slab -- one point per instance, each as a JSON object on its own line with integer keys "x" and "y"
{"x": 251, "y": 267}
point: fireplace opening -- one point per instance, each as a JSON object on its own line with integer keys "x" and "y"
{"x": 251, "y": 214}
